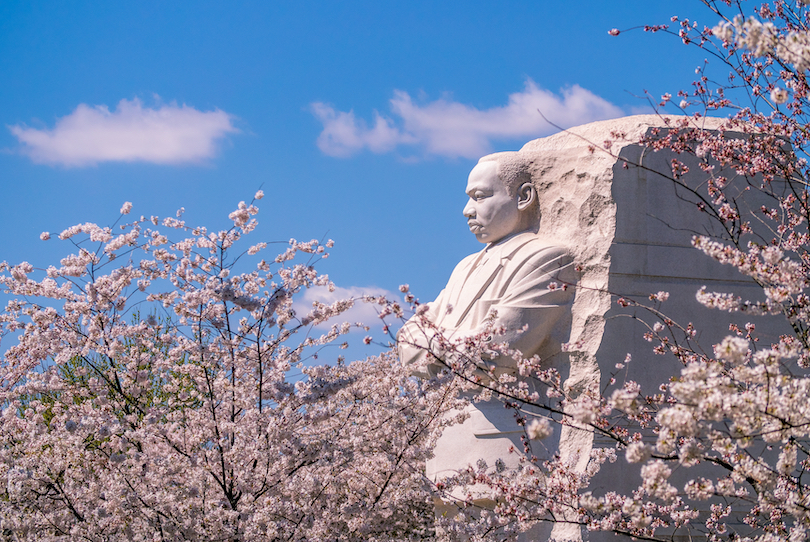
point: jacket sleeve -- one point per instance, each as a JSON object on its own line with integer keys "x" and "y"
{"x": 417, "y": 341}
{"x": 533, "y": 305}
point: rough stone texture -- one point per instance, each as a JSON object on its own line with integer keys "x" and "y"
{"x": 630, "y": 231}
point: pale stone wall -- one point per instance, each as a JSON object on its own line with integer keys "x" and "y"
{"x": 630, "y": 231}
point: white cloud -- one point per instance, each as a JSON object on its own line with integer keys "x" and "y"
{"x": 343, "y": 134}
{"x": 448, "y": 128}
{"x": 365, "y": 313}
{"x": 168, "y": 134}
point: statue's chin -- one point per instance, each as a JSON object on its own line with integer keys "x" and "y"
{"x": 484, "y": 236}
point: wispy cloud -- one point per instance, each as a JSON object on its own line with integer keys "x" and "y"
{"x": 166, "y": 134}
{"x": 361, "y": 312}
{"x": 448, "y": 128}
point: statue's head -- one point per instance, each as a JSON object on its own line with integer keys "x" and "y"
{"x": 503, "y": 200}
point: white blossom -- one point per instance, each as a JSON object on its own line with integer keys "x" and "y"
{"x": 638, "y": 452}
{"x": 779, "y": 96}
{"x": 732, "y": 349}
{"x": 539, "y": 428}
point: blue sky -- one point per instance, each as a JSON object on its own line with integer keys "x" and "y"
{"x": 360, "y": 120}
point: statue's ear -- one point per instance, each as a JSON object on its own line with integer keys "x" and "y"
{"x": 527, "y": 195}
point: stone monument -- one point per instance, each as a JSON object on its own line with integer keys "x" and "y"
{"x": 614, "y": 224}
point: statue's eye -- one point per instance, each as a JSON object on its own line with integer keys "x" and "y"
{"x": 480, "y": 195}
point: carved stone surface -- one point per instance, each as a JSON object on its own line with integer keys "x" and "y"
{"x": 628, "y": 230}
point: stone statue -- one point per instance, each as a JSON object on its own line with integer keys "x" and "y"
{"x": 629, "y": 229}
{"x": 516, "y": 274}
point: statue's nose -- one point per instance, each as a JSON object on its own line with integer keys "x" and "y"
{"x": 469, "y": 211}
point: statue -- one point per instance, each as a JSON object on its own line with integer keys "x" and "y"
{"x": 519, "y": 276}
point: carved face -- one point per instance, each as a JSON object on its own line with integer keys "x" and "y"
{"x": 491, "y": 212}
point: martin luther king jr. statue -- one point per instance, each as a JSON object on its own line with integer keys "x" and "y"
{"x": 519, "y": 276}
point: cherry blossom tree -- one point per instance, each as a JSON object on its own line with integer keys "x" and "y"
{"x": 737, "y": 416}
{"x": 158, "y": 385}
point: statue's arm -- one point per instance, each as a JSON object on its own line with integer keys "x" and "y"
{"x": 539, "y": 299}
{"x": 416, "y": 340}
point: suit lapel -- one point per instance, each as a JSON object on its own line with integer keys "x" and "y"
{"x": 481, "y": 277}
{"x": 477, "y": 283}
{"x": 454, "y": 289}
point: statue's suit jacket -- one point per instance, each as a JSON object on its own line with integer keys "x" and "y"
{"x": 523, "y": 279}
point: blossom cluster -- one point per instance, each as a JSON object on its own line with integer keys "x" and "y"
{"x": 157, "y": 384}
